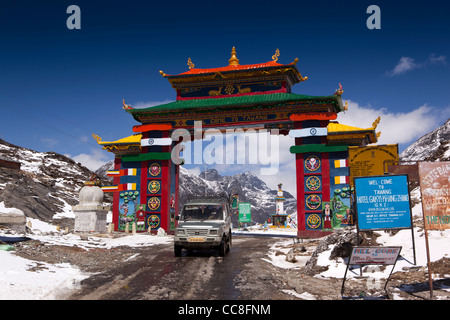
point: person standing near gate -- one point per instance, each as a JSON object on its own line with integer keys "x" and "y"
{"x": 327, "y": 215}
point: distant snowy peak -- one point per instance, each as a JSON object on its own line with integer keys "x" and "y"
{"x": 247, "y": 185}
{"x": 434, "y": 146}
{"x": 102, "y": 171}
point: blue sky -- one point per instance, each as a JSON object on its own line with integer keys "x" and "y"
{"x": 58, "y": 86}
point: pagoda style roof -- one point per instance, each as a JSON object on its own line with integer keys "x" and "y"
{"x": 266, "y": 68}
{"x": 228, "y": 68}
{"x": 237, "y": 95}
{"x": 127, "y": 145}
{"x": 341, "y": 133}
{"x": 236, "y": 110}
{"x": 264, "y": 76}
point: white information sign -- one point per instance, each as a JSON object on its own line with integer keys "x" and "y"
{"x": 375, "y": 255}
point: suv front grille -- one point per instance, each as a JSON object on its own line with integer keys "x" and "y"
{"x": 197, "y": 232}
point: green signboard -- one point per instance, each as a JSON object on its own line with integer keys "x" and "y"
{"x": 245, "y": 209}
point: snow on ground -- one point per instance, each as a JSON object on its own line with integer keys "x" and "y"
{"x": 26, "y": 279}
{"x": 14, "y": 211}
{"x": 32, "y": 280}
{"x": 438, "y": 244}
{"x": 278, "y": 260}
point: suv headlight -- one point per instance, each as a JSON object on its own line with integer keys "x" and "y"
{"x": 213, "y": 232}
{"x": 180, "y": 232}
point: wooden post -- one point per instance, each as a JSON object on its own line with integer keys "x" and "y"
{"x": 430, "y": 277}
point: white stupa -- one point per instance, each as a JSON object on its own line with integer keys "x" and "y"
{"x": 279, "y": 199}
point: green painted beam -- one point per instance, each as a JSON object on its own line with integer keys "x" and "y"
{"x": 317, "y": 148}
{"x": 147, "y": 156}
{"x": 246, "y": 100}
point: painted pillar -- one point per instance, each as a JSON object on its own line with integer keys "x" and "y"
{"x": 313, "y": 176}
{"x": 147, "y": 193}
{"x": 115, "y": 209}
{"x": 159, "y": 183}
{"x": 301, "y": 222}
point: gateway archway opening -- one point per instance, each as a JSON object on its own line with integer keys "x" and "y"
{"x": 235, "y": 97}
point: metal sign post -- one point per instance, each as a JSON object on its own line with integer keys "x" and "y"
{"x": 435, "y": 191}
{"x": 383, "y": 202}
{"x": 373, "y": 256}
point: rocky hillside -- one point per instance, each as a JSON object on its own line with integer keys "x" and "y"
{"x": 46, "y": 185}
{"x": 430, "y": 147}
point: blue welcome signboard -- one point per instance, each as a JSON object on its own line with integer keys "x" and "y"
{"x": 382, "y": 202}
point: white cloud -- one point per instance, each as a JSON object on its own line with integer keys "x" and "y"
{"x": 406, "y": 64}
{"x": 439, "y": 59}
{"x": 94, "y": 160}
{"x": 84, "y": 138}
{"x": 148, "y": 104}
{"x": 287, "y": 168}
{"x": 399, "y": 127}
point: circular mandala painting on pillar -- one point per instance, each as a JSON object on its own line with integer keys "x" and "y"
{"x": 313, "y": 221}
{"x": 312, "y": 163}
{"x": 313, "y": 202}
{"x": 313, "y": 183}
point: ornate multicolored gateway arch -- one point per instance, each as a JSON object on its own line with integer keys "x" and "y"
{"x": 256, "y": 96}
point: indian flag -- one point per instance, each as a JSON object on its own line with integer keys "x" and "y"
{"x": 120, "y": 173}
{"x": 341, "y": 163}
{"x": 341, "y": 179}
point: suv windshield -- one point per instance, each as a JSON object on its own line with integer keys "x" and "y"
{"x": 202, "y": 212}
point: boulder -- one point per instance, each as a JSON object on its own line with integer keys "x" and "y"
{"x": 342, "y": 239}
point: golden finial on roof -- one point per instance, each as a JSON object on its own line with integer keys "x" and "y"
{"x": 162, "y": 73}
{"x": 190, "y": 64}
{"x": 346, "y": 105}
{"x": 376, "y": 122}
{"x": 126, "y": 106}
{"x": 339, "y": 91}
{"x": 276, "y": 55}
{"x": 97, "y": 138}
{"x": 234, "y": 61}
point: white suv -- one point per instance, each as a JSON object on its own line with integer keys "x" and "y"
{"x": 205, "y": 222}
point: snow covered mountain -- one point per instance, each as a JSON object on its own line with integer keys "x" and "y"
{"x": 434, "y": 146}
{"x": 247, "y": 185}
{"x": 46, "y": 185}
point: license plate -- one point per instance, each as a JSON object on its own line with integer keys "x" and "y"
{"x": 196, "y": 240}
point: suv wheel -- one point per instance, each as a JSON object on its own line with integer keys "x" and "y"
{"x": 223, "y": 247}
{"x": 177, "y": 250}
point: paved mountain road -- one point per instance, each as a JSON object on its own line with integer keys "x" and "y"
{"x": 156, "y": 274}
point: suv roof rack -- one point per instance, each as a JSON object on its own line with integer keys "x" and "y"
{"x": 221, "y": 196}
